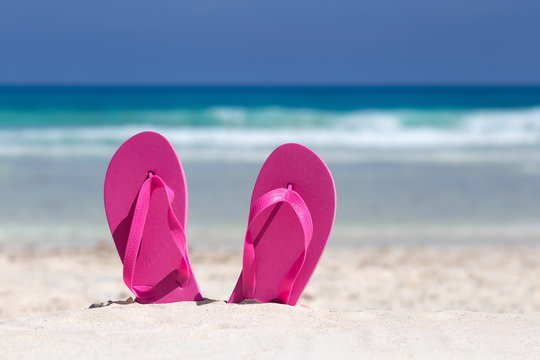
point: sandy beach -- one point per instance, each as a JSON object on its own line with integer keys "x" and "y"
{"x": 402, "y": 139}
{"x": 377, "y": 302}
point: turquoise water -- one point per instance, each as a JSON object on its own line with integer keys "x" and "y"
{"x": 224, "y": 122}
{"x": 422, "y": 164}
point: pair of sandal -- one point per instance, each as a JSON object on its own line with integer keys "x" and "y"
{"x": 291, "y": 216}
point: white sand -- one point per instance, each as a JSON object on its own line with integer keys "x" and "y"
{"x": 394, "y": 302}
{"x": 268, "y": 331}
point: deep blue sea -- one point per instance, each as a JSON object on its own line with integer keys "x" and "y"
{"x": 422, "y": 164}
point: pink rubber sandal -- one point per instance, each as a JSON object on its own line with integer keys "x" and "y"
{"x": 146, "y": 206}
{"x": 291, "y": 216}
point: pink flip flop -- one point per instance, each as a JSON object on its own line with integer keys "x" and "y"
{"x": 146, "y": 206}
{"x": 291, "y": 216}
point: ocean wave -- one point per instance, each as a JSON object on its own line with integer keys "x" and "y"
{"x": 241, "y": 129}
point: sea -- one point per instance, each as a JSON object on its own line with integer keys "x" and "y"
{"x": 412, "y": 164}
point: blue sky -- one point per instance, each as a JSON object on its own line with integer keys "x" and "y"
{"x": 253, "y": 41}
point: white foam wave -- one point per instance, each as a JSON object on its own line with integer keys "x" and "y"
{"x": 361, "y": 130}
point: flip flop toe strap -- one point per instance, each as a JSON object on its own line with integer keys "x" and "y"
{"x": 177, "y": 234}
{"x": 273, "y": 197}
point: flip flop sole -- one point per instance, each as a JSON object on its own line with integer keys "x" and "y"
{"x": 158, "y": 260}
{"x": 275, "y": 252}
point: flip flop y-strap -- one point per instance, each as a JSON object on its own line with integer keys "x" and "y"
{"x": 273, "y": 197}
{"x": 178, "y": 236}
